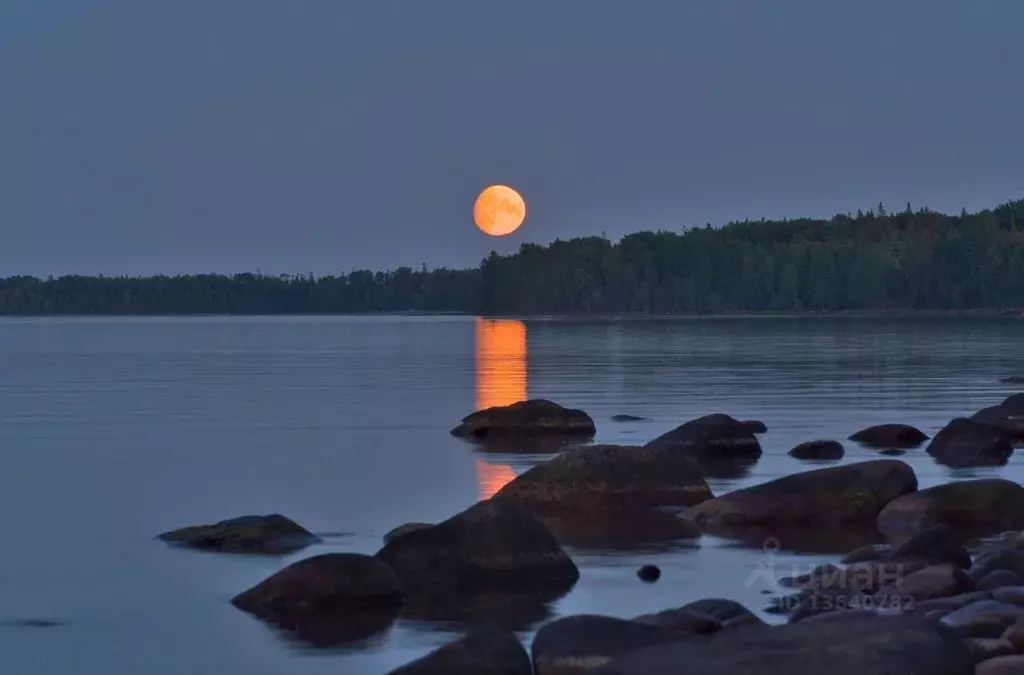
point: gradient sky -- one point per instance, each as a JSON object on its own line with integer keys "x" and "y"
{"x": 318, "y": 136}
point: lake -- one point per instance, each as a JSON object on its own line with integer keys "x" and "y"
{"x": 113, "y": 430}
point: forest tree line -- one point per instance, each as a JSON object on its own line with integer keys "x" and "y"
{"x": 874, "y": 260}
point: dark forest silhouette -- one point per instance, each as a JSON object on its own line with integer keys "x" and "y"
{"x": 913, "y": 259}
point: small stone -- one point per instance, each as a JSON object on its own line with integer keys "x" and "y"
{"x": 649, "y": 573}
{"x": 998, "y": 579}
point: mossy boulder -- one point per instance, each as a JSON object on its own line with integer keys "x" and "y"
{"x": 985, "y": 505}
{"x": 850, "y": 494}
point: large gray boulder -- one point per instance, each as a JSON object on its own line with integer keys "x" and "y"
{"x": 859, "y": 644}
{"x": 533, "y": 418}
{"x": 497, "y": 544}
{"x": 850, "y": 494}
{"x": 270, "y": 534}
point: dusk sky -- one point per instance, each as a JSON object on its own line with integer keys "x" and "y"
{"x": 319, "y": 136}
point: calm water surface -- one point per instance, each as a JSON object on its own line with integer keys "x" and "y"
{"x": 113, "y": 430}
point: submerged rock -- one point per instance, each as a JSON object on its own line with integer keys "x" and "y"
{"x": 985, "y": 505}
{"x": 857, "y": 644}
{"x": 269, "y": 534}
{"x": 610, "y": 477}
{"x": 964, "y": 443}
{"x": 485, "y": 651}
{"x": 627, "y": 418}
{"x": 899, "y": 436}
{"x": 849, "y": 494}
{"x": 818, "y": 450}
{"x": 536, "y": 417}
{"x": 495, "y": 544}
{"x": 327, "y": 599}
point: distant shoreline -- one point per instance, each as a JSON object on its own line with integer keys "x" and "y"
{"x": 634, "y": 316}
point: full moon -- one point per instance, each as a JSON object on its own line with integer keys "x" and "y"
{"x": 499, "y": 210}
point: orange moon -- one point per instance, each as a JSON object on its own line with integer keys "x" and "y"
{"x": 499, "y": 210}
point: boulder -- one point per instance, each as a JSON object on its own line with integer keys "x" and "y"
{"x": 493, "y": 545}
{"x": 985, "y": 649}
{"x": 270, "y": 534}
{"x": 755, "y": 426}
{"x": 627, "y": 418}
{"x": 610, "y": 477}
{"x": 1014, "y": 634}
{"x": 965, "y": 442}
{"x": 1011, "y": 560}
{"x": 890, "y": 436}
{"x": 1001, "y": 665}
{"x": 867, "y": 553}
{"x": 405, "y": 529}
{"x": 935, "y": 544}
{"x": 327, "y": 599}
{"x": 536, "y": 417}
{"x": 1008, "y": 416}
{"x": 999, "y": 579}
{"x": 858, "y": 644}
{"x": 729, "y": 613}
{"x": 953, "y": 602}
{"x": 583, "y": 642}
{"x": 935, "y": 581}
{"x": 712, "y": 438}
{"x": 849, "y": 494}
{"x": 682, "y": 621}
{"x": 985, "y": 505}
{"x": 1011, "y": 595}
{"x": 483, "y": 651}
{"x": 818, "y": 450}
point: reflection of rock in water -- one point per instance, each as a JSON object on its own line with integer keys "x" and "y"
{"x": 727, "y": 468}
{"x": 515, "y": 611}
{"x": 644, "y": 530}
{"x": 348, "y": 629}
{"x": 808, "y": 540}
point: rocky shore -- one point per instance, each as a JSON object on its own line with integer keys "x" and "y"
{"x": 938, "y": 590}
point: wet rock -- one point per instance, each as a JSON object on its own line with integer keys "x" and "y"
{"x": 729, "y": 613}
{"x": 818, "y": 450}
{"x": 984, "y": 649}
{"x": 954, "y": 602}
{"x": 712, "y": 438}
{"x": 627, "y": 418}
{"x": 479, "y": 652}
{"x": 495, "y": 544}
{"x": 270, "y": 534}
{"x": 1008, "y": 416}
{"x": 935, "y": 581}
{"x": 327, "y": 599}
{"x": 857, "y": 644}
{"x": 585, "y": 642}
{"x": 982, "y": 627}
{"x": 1011, "y": 595}
{"x": 649, "y": 573}
{"x": 982, "y": 608}
{"x": 890, "y": 436}
{"x": 405, "y": 529}
{"x": 536, "y": 417}
{"x": 755, "y": 426}
{"x": 1001, "y": 665}
{"x": 867, "y": 553}
{"x": 982, "y": 505}
{"x": 849, "y": 494}
{"x": 1011, "y": 560}
{"x": 935, "y": 544}
{"x": 682, "y": 621}
{"x": 999, "y": 579}
{"x": 610, "y": 477}
{"x": 965, "y": 443}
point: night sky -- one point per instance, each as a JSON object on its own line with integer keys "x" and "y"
{"x": 323, "y": 135}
